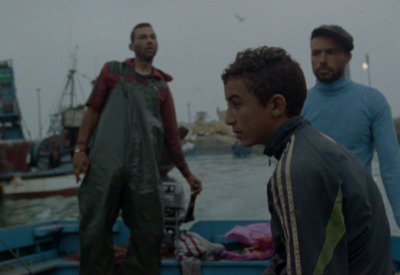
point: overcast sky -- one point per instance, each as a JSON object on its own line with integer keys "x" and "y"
{"x": 197, "y": 40}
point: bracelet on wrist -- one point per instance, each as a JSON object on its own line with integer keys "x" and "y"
{"x": 77, "y": 150}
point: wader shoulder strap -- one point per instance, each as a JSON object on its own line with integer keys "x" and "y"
{"x": 160, "y": 84}
{"x": 122, "y": 69}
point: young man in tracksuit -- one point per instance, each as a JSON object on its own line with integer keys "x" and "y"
{"x": 327, "y": 214}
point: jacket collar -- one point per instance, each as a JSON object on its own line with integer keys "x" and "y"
{"x": 279, "y": 138}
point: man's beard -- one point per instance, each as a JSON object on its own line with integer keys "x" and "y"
{"x": 148, "y": 58}
{"x": 327, "y": 79}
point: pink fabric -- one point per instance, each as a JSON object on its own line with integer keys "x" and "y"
{"x": 257, "y": 236}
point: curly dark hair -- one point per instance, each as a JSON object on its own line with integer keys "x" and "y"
{"x": 271, "y": 71}
{"x": 140, "y": 25}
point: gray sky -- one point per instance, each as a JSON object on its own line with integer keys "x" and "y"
{"x": 197, "y": 40}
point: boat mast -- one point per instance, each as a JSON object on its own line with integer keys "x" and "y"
{"x": 68, "y": 96}
{"x": 69, "y": 90}
{"x": 40, "y": 114}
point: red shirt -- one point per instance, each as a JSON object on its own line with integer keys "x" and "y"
{"x": 105, "y": 84}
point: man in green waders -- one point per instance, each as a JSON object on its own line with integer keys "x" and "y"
{"x": 132, "y": 116}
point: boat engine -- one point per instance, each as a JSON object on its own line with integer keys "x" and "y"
{"x": 174, "y": 206}
{"x": 175, "y": 214}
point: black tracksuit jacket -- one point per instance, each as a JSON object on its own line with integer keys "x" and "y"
{"x": 327, "y": 213}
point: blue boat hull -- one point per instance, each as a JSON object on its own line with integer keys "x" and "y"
{"x": 46, "y": 248}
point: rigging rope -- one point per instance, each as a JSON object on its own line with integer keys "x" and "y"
{"x": 16, "y": 257}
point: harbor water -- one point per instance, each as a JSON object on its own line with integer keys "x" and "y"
{"x": 233, "y": 189}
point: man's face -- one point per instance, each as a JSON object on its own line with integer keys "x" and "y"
{"x": 251, "y": 122}
{"x": 328, "y": 59}
{"x": 145, "y": 45}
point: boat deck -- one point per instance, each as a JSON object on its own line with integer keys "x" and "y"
{"x": 49, "y": 248}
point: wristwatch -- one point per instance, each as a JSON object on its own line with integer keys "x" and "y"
{"x": 77, "y": 150}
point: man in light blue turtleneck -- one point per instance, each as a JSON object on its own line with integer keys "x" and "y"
{"x": 357, "y": 116}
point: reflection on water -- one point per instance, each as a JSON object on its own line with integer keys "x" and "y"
{"x": 233, "y": 188}
{"x": 23, "y": 211}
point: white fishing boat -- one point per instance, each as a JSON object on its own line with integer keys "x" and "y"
{"x": 28, "y": 168}
{"x": 38, "y": 184}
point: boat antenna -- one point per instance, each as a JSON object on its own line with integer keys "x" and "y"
{"x": 40, "y": 114}
{"x": 68, "y": 92}
{"x": 72, "y": 71}
{"x": 69, "y": 89}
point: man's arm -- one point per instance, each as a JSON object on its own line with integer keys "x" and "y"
{"x": 173, "y": 142}
{"x": 80, "y": 159}
{"x": 387, "y": 148}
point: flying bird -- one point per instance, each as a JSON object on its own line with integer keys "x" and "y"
{"x": 241, "y": 19}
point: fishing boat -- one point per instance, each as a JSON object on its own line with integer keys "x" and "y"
{"x": 51, "y": 248}
{"x": 14, "y": 148}
{"x": 30, "y": 168}
{"x": 39, "y": 184}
